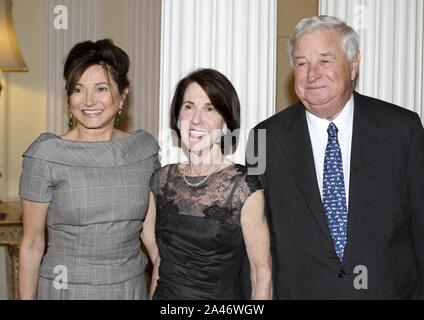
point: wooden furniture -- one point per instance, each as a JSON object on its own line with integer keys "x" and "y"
{"x": 10, "y": 236}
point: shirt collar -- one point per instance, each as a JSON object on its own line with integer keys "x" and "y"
{"x": 343, "y": 122}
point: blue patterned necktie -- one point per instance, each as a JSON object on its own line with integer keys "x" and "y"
{"x": 333, "y": 192}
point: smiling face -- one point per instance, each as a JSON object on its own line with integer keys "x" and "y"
{"x": 324, "y": 77}
{"x": 96, "y": 100}
{"x": 201, "y": 124}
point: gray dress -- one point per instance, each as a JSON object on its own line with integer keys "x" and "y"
{"x": 98, "y": 197}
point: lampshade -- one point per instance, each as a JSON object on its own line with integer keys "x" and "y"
{"x": 10, "y": 55}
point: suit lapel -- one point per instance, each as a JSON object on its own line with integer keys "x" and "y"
{"x": 363, "y": 169}
{"x": 296, "y": 144}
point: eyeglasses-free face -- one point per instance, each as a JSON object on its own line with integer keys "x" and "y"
{"x": 201, "y": 124}
{"x": 95, "y": 100}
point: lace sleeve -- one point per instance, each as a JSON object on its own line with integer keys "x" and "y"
{"x": 248, "y": 185}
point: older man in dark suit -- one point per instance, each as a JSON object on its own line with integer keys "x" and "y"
{"x": 344, "y": 179}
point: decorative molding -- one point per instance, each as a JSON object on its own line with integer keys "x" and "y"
{"x": 12, "y": 267}
{"x": 83, "y": 24}
{"x": 10, "y": 235}
{"x": 236, "y": 37}
{"x": 392, "y": 47}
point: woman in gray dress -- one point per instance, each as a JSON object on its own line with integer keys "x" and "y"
{"x": 90, "y": 187}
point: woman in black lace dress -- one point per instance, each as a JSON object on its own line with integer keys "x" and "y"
{"x": 209, "y": 212}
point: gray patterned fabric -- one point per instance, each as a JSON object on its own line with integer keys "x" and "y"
{"x": 133, "y": 289}
{"x": 98, "y": 194}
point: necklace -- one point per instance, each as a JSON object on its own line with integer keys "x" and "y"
{"x": 201, "y": 182}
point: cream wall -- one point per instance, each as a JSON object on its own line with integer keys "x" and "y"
{"x": 114, "y": 23}
{"x": 289, "y": 13}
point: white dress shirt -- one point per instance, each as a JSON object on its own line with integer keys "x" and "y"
{"x": 319, "y": 138}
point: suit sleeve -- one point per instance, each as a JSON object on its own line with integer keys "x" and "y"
{"x": 415, "y": 174}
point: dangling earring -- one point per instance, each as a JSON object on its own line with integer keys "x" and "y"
{"x": 118, "y": 118}
{"x": 179, "y": 124}
{"x": 71, "y": 120}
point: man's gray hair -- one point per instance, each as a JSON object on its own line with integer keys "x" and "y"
{"x": 349, "y": 37}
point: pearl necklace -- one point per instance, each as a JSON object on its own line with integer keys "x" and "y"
{"x": 201, "y": 182}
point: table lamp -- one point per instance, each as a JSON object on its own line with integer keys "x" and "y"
{"x": 10, "y": 56}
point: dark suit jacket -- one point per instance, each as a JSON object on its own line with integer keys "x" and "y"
{"x": 386, "y": 207}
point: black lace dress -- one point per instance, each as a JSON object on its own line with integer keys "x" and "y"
{"x": 198, "y": 233}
